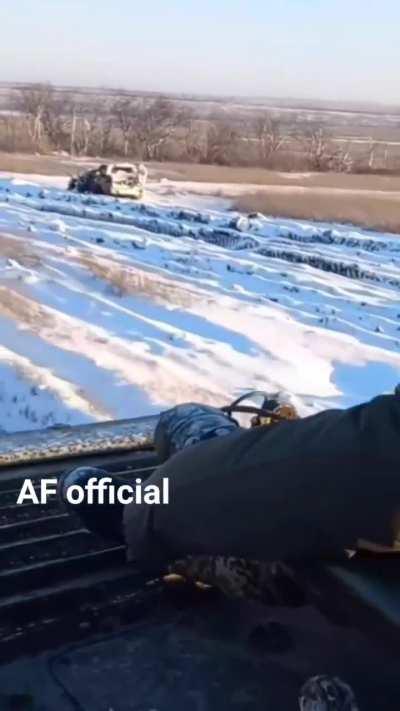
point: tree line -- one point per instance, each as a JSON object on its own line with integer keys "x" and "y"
{"x": 158, "y": 129}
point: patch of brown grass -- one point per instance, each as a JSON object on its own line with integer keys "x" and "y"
{"x": 128, "y": 280}
{"x": 24, "y": 310}
{"x": 21, "y": 251}
{"x": 40, "y": 164}
{"x": 261, "y": 176}
{"x": 381, "y": 212}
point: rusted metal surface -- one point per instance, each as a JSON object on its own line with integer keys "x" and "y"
{"x": 64, "y": 442}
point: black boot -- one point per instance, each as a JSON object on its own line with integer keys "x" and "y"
{"x": 103, "y": 519}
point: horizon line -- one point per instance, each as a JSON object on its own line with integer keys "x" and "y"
{"x": 211, "y": 96}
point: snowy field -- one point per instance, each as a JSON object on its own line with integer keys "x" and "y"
{"x": 111, "y": 309}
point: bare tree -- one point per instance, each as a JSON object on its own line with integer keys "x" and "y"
{"x": 8, "y": 134}
{"x": 102, "y": 136}
{"x": 221, "y": 143}
{"x": 86, "y": 128}
{"x": 33, "y": 101}
{"x": 267, "y": 131}
{"x": 80, "y": 134}
{"x": 47, "y": 113}
{"x": 156, "y": 123}
{"x": 59, "y": 122}
{"x": 341, "y": 160}
{"x": 322, "y": 156}
{"x": 126, "y": 115}
{"x": 371, "y": 153}
{"x": 193, "y": 141}
{"x": 386, "y": 156}
{"x": 315, "y": 143}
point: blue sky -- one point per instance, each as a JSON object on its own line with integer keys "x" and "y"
{"x": 339, "y": 49}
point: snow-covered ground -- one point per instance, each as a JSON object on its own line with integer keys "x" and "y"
{"x": 113, "y": 309}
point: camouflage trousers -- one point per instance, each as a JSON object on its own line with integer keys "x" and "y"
{"x": 270, "y": 583}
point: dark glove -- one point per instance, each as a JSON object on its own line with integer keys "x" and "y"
{"x": 189, "y": 424}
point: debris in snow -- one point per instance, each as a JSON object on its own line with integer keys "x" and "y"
{"x": 256, "y": 216}
{"x": 139, "y": 245}
{"x": 241, "y": 223}
{"x": 58, "y": 226}
{"x": 248, "y": 269}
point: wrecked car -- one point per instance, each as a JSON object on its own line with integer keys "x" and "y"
{"x": 125, "y": 180}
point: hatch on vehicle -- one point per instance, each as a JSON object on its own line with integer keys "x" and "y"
{"x": 122, "y": 168}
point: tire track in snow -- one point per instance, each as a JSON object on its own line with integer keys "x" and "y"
{"x": 166, "y": 379}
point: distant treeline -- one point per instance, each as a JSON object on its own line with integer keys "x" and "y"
{"x": 151, "y": 128}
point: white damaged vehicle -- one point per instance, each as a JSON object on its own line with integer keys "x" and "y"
{"x": 125, "y": 180}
